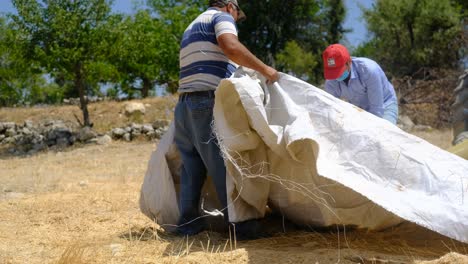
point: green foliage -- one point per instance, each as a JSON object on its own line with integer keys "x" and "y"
{"x": 80, "y": 45}
{"x": 333, "y": 16}
{"x": 21, "y": 81}
{"x": 140, "y": 53}
{"x": 175, "y": 16}
{"x": 311, "y": 24}
{"x": 270, "y": 25}
{"x": 68, "y": 39}
{"x": 410, "y": 34}
{"x": 9, "y": 94}
{"x": 367, "y": 49}
{"x": 296, "y": 61}
{"x": 44, "y": 92}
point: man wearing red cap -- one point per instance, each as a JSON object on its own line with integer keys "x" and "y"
{"x": 360, "y": 81}
{"x": 209, "y": 52}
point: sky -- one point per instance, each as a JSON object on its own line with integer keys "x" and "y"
{"x": 352, "y": 20}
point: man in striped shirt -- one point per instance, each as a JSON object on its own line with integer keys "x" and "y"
{"x": 209, "y": 52}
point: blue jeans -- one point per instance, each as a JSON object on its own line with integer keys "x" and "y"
{"x": 391, "y": 113}
{"x": 200, "y": 155}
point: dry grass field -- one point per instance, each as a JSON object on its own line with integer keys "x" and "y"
{"x": 81, "y": 206}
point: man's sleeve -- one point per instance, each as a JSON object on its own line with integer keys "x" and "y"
{"x": 332, "y": 88}
{"x": 224, "y": 23}
{"x": 375, "y": 84}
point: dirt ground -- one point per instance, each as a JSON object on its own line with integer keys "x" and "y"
{"x": 81, "y": 206}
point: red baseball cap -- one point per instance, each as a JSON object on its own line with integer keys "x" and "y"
{"x": 334, "y": 58}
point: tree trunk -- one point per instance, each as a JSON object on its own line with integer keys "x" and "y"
{"x": 146, "y": 87}
{"x": 409, "y": 26}
{"x": 79, "y": 85}
{"x": 172, "y": 86}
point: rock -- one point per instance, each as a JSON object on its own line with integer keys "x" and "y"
{"x": 18, "y": 138}
{"x": 136, "y": 127}
{"x": 160, "y": 132}
{"x": 2, "y": 128}
{"x": 146, "y": 128}
{"x": 72, "y": 101}
{"x": 161, "y": 123}
{"x": 405, "y": 122}
{"x": 26, "y": 131}
{"x": 83, "y": 183}
{"x": 133, "y": 109}
{"x": 127, "y": 137}
{"x": 116, "y": 249}
{"x": 37, "y": 138}
{"x": 2, "y": 137}
{"x": 10, "y": 132}
{"x": 8, "y": 125}
{"x": 136, "y": 134}
{"x": 85, "y": 134}
{"x": 72, "y": 139}
{"x": 460, "y": 138}
{"x": 55, "y": 129}
{"x": 8, "y": 140}
{"x": 61, "y": 134}
{"x": 104, "y": 140}
{"x": 50, "y": 143}
{"x": 118, "y": 132}
{"x": 62, "y": 142}
{"x": 49, "y": 123}
{"x": 28, "y": 124}
{"x": 151, "y": 135}
{"x": 39, "y": 146}
{"x": 422, "y": 128}
{"x": 32, "y": 152}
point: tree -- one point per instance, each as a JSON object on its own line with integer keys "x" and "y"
{"x": 334, "y": 15}
{"x": 140, "y": 55}
{"x": 21, "y": 80}
{"x": 174, "y": 17}
{"x": 8, "y": 94}
{"x": 411, "y": 34}
{"x": 311, "y": 24}
{"x": 296, "y": 61}
{"x": 67, "y": 38}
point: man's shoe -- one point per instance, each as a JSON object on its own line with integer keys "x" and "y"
{"x": 190, "y": 228}
{"x": 248, "y": 230}
{"x": 187, "y": 231}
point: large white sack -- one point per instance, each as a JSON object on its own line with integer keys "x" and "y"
{"x": 319, "y": 161}
{"x": 158, "y": 199}
{"x": 159, "y": 191}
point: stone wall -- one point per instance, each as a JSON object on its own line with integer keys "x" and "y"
{"x": 29, "y": 138}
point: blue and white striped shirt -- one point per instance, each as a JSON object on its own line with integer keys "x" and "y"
{"x": 368, "y": 87}
{"x": 202, "y": 62}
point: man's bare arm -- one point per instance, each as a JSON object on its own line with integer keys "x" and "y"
{"x": 239, "y": 54}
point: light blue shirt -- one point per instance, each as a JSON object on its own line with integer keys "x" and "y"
{"x": 368, "y": 87}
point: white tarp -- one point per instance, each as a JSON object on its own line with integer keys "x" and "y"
{"x": 319, "y": 161}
